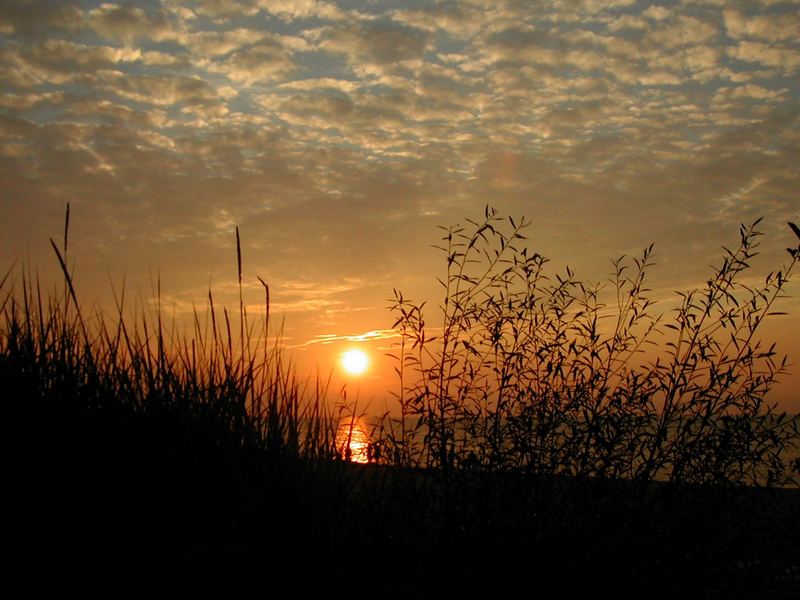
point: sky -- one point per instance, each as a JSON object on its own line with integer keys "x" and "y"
{"x": 338, "y": 135}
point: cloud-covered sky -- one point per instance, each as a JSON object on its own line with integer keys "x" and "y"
{"x": 338, "y": 135}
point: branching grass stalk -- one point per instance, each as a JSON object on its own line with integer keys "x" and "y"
{"x": 528, "y": 374}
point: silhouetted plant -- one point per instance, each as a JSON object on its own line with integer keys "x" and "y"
{"x": 205, "y": 457}
{"x": 146, "y": 452}
{"x": 549, "y": 374}
{"x": 237, "y": 388}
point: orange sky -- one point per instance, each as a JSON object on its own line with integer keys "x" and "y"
{"x": 339, "y": 135}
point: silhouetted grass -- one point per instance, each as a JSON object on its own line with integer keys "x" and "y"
{"x": 131, "y": 451}
{"x": 533, "y": 447}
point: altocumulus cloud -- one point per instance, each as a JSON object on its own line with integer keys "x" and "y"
{"x": 337, "y": 135}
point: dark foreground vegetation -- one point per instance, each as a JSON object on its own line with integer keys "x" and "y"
{"x": 536, "y": 447}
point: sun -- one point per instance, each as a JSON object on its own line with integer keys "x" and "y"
{"x": 355, "y": 362}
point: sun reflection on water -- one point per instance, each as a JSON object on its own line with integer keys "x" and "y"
{"x": 352, "y": 440}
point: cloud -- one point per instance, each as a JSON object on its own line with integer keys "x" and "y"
{"x": 303, "y": 9}
{"x": 22, "y": 102}
{"x": 591, "y": 7}
{"x": 368, "y": 336}
{"x": 771, "y": 28}
{"x": 681, "y": 31}
{"x": 219, "y": 43}
{"x": 628, "y": 22}
{"x": 266, "y": 61}
{"x": 529, "y": 45}
{"x": 191, "y": 93}
{"x": 128, "y": 23}
{"x": 221, "y": 10}
{"x": 320, "y": 83}
{"x": 30, "y": 17}
{"x": 382, "y": 43}
{"x": 750, "y": 92}
{"x": 118, "y": 114}
{"x": 786, "y": 59}
{"x": 60, "y": 61}
{"x": 656, "y": 13}
{"x": 452, "y": 19}
{"x": 661, "y": 78}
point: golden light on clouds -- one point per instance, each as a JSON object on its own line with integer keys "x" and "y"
{"x": 339, "y": 135}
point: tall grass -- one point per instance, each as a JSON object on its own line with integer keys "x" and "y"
{"x": 141, "y": 450}
{"x": 544, "y": 373}
{"x": 202, "y": 456}
{"x": 240, "y": 390}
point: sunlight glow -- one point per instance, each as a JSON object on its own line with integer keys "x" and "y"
{"x": 355, "y": 362}
{"x": 353, "y": 441}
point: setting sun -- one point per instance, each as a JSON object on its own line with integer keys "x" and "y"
{"x": 355, "y": 362}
